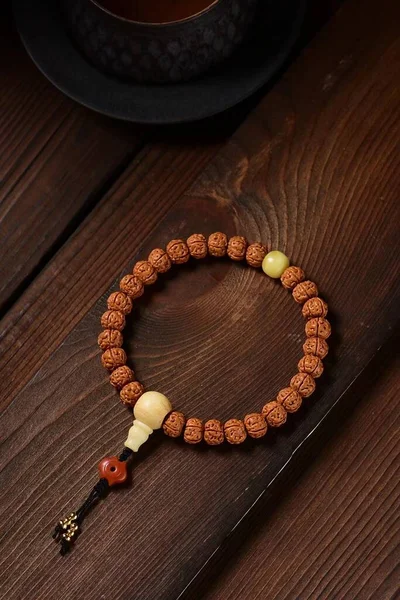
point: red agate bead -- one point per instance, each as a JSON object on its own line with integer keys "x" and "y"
{"x": 113, "y": 469}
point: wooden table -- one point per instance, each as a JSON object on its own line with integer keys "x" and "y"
{"x": 314, "y": 169}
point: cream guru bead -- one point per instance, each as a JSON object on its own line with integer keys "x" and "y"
{"x": 138, "y": 434}
{"x": 149, "y": 411}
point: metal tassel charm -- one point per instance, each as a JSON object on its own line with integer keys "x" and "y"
{"x": 66, "y": 532}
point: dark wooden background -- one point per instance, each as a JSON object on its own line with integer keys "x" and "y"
{"x": 313, "y": 170}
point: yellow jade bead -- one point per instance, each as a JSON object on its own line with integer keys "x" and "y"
{"x": 152, "y": 408}
{"x": 275, "y": 263}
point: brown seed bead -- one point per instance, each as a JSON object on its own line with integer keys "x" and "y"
{"x": 311, "y": 364}
{"x": 145, "y": 271}
{"x": 255, "y": 254}
{"x": 197, "y": 245}
{"x": 217, "y": 244}
{"x": 110, "y": 338}
{"x": 174, "y": 424}
{"x": 178, "y": 251}
{"x": 317, "y": 346}
{"x": 159, "y": 259}
{"x": 256, "y": 425}
{"x": 132, "y": 286}
{"x": 193, "y": 431}
{"x": 237, "y": 246}
{"x": 131, "y": 393}
{"x": 213, "y": 432}
{"x": 120, "y": 301}
{"x": 314, "y": 308}
{"x": 113, "y": 358}
{"x": 121, "y": 376}
{"x": 113, "y": 319}
{"x": 290, "y": 399}
{"x": 318, "y": 327}
{"x": 235, "y": 431}
{"x": 304, "y": 384}
{"x": 274, "y": 413}
{"x": 291, "y": 277}
{"x": 304, "y": 290}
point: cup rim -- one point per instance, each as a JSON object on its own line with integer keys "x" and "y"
{"x": 155, "y": 24}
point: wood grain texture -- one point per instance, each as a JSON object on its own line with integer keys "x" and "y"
{"x": 78, "y": 274}
{"x": 311, "y": 175}
{"x": 335, "y": 533}
{"x": 55, "y": 158}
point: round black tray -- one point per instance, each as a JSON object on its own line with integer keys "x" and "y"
{"x": 43, "y": 33}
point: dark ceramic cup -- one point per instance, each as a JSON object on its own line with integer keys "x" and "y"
{"x": 158, "y": 53}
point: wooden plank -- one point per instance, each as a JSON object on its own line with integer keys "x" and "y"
{"x": 334, "y": 533}
{"x": 306, "y": 180}
{"x": 55, "y": 159}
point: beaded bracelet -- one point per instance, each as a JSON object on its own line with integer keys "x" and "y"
{"x": 152, "y": 410}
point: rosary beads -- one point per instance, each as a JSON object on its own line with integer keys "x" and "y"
{"x": 152, "y": 410}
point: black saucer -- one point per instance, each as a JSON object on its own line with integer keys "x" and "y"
{"x": 253, "y": 64}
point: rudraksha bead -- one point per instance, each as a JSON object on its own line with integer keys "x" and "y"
{"x": 235, "y": 431}
{"x": 256, "y": 425}
{"x": 197, "y": 245}
{"x": 303, "y": 383}
{"x": 159, "y": 259}
{"x": 110, "y": 338}
{"x": 314, "y": 308}
{"x": 213, "y": 432}
{"x": 291, "y": 277}
{"x": 274, "y": 413}
{"x": 193, "y": 433}
{"x": 132, "y": 286}
{"x": 131, "y": 393}
{"x": 121, "y": 377}
{"x": 217, "y": 244}
{"x": 290, "y": 399}
{"x": 237, "y": 246}
{"x": 178, "y": 251}
{"x": 311, "y": 364}
{"x": 317, "y": 346}
{"x": 255, "y": 254}
{"x": 318, "y": 327}
{"x": 113, "y": 358}
{"x": 304, "y": 290}
{"x": 113, "y": 319}
{"x": 174, "y": 424}
{"x": 145, "y": 271}
{"x": 120, "y": 301}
